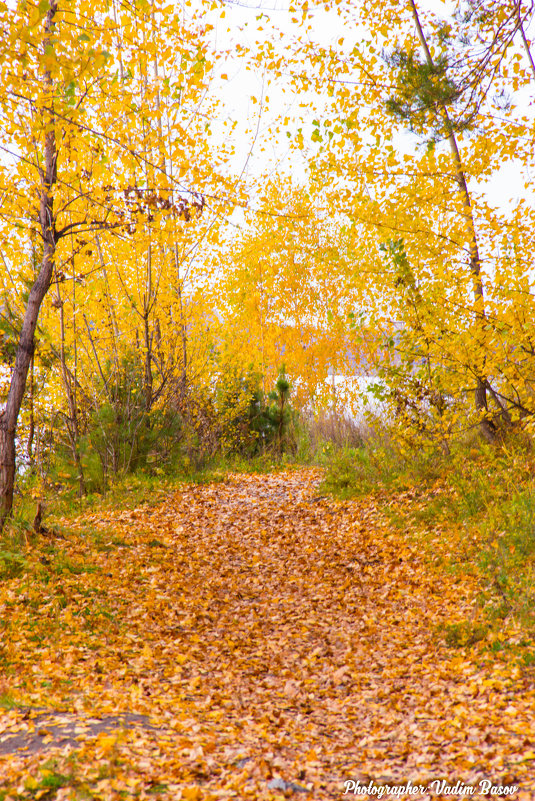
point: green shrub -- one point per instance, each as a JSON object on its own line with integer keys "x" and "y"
{"x": 249, "y": 421}
{"x": 121, "y": 433}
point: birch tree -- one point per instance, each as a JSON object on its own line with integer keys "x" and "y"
{"x": 73, "y": 166}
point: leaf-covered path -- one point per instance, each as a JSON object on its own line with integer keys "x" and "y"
{"x": 276, "y": 641}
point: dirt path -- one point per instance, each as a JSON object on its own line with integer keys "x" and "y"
{"x": 279, "y": 643}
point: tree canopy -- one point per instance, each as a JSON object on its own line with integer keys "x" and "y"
{"x": 141, "y": 268}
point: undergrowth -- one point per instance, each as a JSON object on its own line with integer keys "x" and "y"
{"x": 354, "y": 472}
{"x": 473, "y": 510}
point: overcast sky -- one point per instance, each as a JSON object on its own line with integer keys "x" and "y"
{"x": 245, "y": 93}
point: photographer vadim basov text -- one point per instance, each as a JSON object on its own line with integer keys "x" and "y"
{"x": 485, "y": 788}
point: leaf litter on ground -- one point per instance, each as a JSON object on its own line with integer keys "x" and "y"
{"x": 249, "y": 639}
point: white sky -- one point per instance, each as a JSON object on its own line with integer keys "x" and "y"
{"x": 258, "y": 152}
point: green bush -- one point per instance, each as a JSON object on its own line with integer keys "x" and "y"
{"x": 249, "y": 421}
{"x": 185, "y": 433}
{"x": 121, "y": 432}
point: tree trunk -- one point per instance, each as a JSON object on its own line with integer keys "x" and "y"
{"x": 69, "y": 383}
{"x": 520, "y": 27}
{"x": 25, "y": 349}
{"x": 480, "y": 395}
{"x": 31, "y": 433}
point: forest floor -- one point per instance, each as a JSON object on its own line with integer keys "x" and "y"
{"x": 252, "y": 639}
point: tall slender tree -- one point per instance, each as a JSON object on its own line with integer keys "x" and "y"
{"x": 74, "y": 77}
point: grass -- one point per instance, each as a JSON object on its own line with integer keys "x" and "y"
{"x": 12, "y": 564}
{"x": 45, "y": 784}
{"x": 311, "y": 442}
{"x": 8, "y": 701}
{"x": 354, "y": 472}
{"x": 464, "y": 634}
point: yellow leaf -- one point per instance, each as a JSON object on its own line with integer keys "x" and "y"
{"x": 147, "y": 652}
{"x": 106, "y": 742}
{"x": 192, "y": 793}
